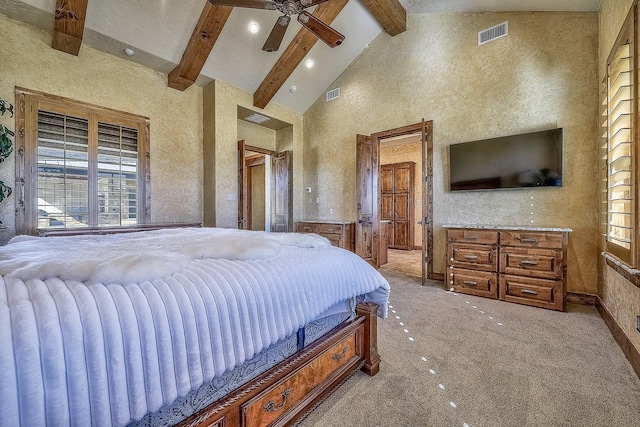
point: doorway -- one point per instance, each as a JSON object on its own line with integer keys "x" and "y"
{"x": 264, "y": 189}
{"x": 258, "y": 217}
{"x": 369, "y": 198}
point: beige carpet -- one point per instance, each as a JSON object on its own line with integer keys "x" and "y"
{"x": 458, "y": 360}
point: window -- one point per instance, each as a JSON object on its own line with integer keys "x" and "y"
{"x": 619, "y": 147}
{"x": 82, "y": 166}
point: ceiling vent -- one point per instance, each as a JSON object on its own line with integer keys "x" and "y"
{"x": 333, "y": 94}
{"x": 493, "y": 33}
{"x": 257, "y": 118}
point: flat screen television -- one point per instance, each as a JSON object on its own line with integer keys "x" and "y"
{"x": 517, "y": 161}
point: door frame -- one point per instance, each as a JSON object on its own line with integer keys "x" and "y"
{"x": 426, "y": 177}
{"x": 250, "y": 162}
{"x": 243, "y": 181}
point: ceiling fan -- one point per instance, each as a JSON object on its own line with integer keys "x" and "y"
{"x": 289, "y": 7}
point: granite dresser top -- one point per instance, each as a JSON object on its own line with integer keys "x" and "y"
{"x": 510, "y": 227}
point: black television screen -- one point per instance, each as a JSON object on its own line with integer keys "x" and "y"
{"x": 517, "y": 161}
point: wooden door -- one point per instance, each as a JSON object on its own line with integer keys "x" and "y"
{"x": 403, "y": 177}
{"x": 388, "y": 203}
{"x": 242, "y": 187}
{"x": 367, "y": 224}
{"x": 282, "y": 192}
{"x": 397, "y": 181}
{"x": 386, "y": 179}
{"x": 427, "y": 203}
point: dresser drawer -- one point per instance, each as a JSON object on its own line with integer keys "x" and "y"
{"x": 477, "y": 257}
{"x": 461, "y": 235}
{"x": 329, "y": 228}
{"x": 532, "y": 239}
{"x": 306, "y": 227}
{"x": 531, "y": 291}
{"x": 268, "y": 408}
{"x": 479, "y": 283}
{"x": 542, "y": 263}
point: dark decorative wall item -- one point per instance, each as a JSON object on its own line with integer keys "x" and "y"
{"x": 6, "y": 145}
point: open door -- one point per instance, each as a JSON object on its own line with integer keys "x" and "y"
{"x": 427, "y": 201}
{"x": 282, "y": 192}
{"x": 242, "y": 187}
{"x": 367, "y": 224}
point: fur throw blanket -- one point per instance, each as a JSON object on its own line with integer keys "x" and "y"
{"x": 137, "y": 257}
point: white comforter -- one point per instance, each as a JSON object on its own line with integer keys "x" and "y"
{"x": 102, "y": 330}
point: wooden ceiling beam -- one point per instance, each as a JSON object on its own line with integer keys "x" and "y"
{"x": 294, "y": 54}
{"x": 204, "y": 37}
{"x": 68, "y": 28}
{"x": 389, "y": 13}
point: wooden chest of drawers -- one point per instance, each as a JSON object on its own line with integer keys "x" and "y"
{"x": 340, "y": 234}
{"x": 523, "y": 266}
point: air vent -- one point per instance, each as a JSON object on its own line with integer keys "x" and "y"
{"x": 493, "y": 33}
{"x": 257, "y": 118}
{"x": 333, "y": 94}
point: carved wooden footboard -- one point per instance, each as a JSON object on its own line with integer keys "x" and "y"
{"x": 283, "y": 394}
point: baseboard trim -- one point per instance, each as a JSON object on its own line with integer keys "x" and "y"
{"x": 582, "y": 299}
{"x": 438, "y": 276}
{"x": 632, "y": 353}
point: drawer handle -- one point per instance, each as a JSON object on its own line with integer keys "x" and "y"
{"x": 471, "y": 257}
{"x": 271, "y": 406}
{"x": 329, "y": 229}
{"x": 527, "y": 262}
{"x": 470, "y": 283}
{"x": 307, "y": 229}
{"x": 470, "y": 237}
{"x": 339, "y": 356}
{"x": 534, "y": 241}
{"x": 528, "y": 291}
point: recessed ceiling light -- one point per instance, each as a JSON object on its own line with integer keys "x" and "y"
{"x": 292, "y": 89}
{"x": 253, "y": 27}
{"x": 129, "y": 51}
{"x": 309, "y": 63}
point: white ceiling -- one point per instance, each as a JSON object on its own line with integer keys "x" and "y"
{"x": 158, "y": 30}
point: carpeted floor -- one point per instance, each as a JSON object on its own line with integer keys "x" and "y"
{"x": 458, "y": 360}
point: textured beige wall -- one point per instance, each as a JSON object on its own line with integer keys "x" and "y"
{"x": 258, "y": 198}
{"x": 284, "y": 139}
{"x": 256, "y": 135}
{"x": 620, "y": 297}
{"x": 411, "y": 152}
{"x": 224, "y": 114}
{"x": 543, "y": 75}
{"x": 27, "y": 60}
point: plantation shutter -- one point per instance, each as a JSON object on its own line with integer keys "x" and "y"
{"x": 620, "y": 131}
{"x": 117, "y": 175}
{"x": 63, "y": 171}
{"x": 80, "y": 166}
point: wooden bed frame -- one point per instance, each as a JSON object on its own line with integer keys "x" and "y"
{"x": 285, "y": 393}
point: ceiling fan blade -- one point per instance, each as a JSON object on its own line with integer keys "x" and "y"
{"x": 277, "y": 34}
{"x": 324, "y": 32}
{"x": 309, "y": 3}
{"x": 253, "y": 4}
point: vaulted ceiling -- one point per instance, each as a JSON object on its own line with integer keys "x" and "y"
{"x": 195, "y": 41}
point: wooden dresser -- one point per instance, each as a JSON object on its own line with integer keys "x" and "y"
{"x": 339, "y": 233}
{"x": 525, "y": 265}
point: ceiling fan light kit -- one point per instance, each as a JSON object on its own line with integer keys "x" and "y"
{"x": 289, "y": 7}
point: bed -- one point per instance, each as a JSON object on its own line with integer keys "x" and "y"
{"x": 181, "y": 326}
